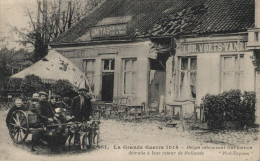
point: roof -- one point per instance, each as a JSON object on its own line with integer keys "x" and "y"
{"x": 53, "y": 67}
{"x": 221, "y": 16}
{"x": 165, "y": 17}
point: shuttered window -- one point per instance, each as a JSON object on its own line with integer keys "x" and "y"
{"x": 232, "y": 73}
{"x": 129, "y": 76}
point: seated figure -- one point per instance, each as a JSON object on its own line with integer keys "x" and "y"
{"x": 17, "y": 106}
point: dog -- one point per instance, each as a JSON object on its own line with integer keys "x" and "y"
{"x": 95, "y": 129}
{"x": 70, "y": 141}
{"x": 85, "y": 135}
{"x": 53, "y": 137}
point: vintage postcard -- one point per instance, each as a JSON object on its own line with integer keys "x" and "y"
{"x": 130, "y": 80}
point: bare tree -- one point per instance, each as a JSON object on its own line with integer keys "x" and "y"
{"x": 53, "y": 18}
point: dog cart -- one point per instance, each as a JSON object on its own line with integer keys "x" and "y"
{"x": 21, "y": 124}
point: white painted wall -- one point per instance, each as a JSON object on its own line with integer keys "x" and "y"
{"x": 139, "y": 50}
{"x": 208, "y": 75}
{"x": 249, "y": 75}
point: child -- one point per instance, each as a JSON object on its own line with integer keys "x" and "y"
{"x": 17, "y": 106}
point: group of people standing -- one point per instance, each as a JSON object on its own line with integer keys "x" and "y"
{"x": 47, "y": 111}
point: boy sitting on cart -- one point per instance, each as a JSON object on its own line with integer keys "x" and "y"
{"x": 45, "y": 111}
{"x": 48, "y": 117}
{"x": 17, "y": 106}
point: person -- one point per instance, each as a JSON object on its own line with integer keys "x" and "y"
{"x": 53, "y": 102}
{"x": 48, "y": 117}
{"x": 33, "y": 102}
{"x": 81, "y": 107}
{"x": 58, "y": 108}
{"x": 44, "y": 110}
{"x": 17, "y": 106}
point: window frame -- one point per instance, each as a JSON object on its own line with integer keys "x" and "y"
{"x": 236, "y": 72}
{"x": 110, "y": 65}
{"x": 189, "y": 72}
{"x": 132, "y": 59}
{"x": 89, "y": 71}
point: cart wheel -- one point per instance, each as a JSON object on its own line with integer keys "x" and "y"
{"x": 18, "y": 127}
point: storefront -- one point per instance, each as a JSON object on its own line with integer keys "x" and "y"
{"x": 210, "y": 65}
{"x": 114, "y": 70}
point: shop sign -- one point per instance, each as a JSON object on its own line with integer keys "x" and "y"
{"x": 214, "y": 47}
{"x": 108, "y": 31}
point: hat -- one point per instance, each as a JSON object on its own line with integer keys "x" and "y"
{"x": 54, "y": 96}
{"x": 83, "y": 89}
{"x": 43, "y": 93}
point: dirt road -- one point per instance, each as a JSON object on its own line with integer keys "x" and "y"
{"x": 143, "y": 141}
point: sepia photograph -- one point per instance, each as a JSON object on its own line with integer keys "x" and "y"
{"x": 129, "y": 80}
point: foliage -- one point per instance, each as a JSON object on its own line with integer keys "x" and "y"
{"x": 231, "y": 106}
{"x": 53, "y": 18}
{"x": 10, "y": 60}
{"x": 248, "y": 108}
{"x": 14, "y": 84}
{"x": 63, "y": 88}
{"x": 32, "y": 84}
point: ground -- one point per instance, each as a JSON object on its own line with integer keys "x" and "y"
{"x": 145, "y": 141}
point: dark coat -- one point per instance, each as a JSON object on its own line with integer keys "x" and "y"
{"x": 83, "y": 113}
{"x": 44, "y": 110}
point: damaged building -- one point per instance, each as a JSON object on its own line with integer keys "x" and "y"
{"x": 163, "y": 53}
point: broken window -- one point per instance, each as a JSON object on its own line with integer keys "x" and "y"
{"x": 187, "y": 77}
{"x": 89, "y": 68}
{"x": 232, "y": 75}
{"x": 129, "y": 76}
{"x": 108, "y": 64}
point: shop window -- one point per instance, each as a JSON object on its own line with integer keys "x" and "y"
{"x": 90, "y": 71}
{"x": 129, "y": 76}
{"x": 187, "y": 77}
{"x": 232, "y": 73}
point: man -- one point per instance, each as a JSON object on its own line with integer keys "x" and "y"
{"x": 81, "y": 107}
{"x": 44, "y": 110}
{"x": 34, "y": 101}
{"x": 18, "y": 106}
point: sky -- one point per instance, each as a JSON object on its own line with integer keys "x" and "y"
{"x": 13, "y": 14}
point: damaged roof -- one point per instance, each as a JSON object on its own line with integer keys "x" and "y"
{"x": 164, "y": 18}
{"x": 212, "y": 16}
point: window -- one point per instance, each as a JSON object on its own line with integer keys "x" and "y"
{"x": 129, "y": 76}
{"x": 232, "y": 75}
{"x": 89, "y": 67}
{"x": 108, "y": 65}
{"x": 187, "y": 77}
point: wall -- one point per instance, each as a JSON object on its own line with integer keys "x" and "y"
{"x": 257, "y": 54}
{"x": 157, "y": 85}
{"x": 139, "y": 50}
{"x": 208, "y": 75}
{"x": 208, "y": 80}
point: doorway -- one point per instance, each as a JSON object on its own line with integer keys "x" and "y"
{"x": 107, "y": 87}
{"x": 108, "y": 80}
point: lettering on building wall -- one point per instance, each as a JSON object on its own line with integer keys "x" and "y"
{"x": 214, "y": 47}
{"x": 107, "y": 31}
{"x": 78, "y": 54}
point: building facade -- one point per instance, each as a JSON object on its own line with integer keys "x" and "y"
{"x": 165, "y": 52}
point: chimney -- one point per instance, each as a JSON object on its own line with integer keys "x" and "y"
{"x": 257, "y": 13}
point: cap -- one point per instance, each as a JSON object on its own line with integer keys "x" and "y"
{"x": 43, "y": 93}
{"x": 83, "y": 89}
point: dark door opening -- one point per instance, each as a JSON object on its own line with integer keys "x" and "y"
{"x": 107, "y": 86}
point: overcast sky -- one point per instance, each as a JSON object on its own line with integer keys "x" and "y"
{"x": 13, "y": 13}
